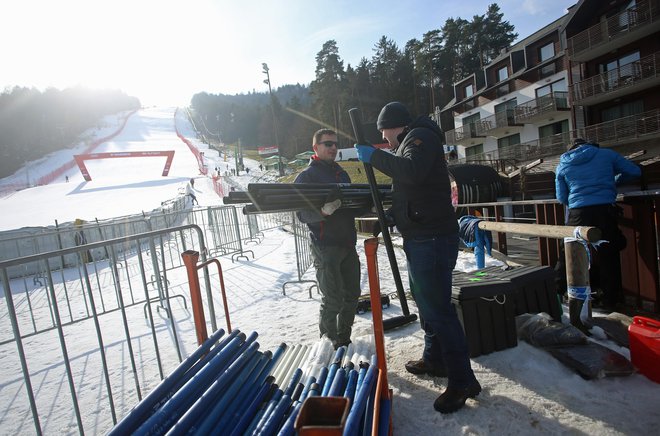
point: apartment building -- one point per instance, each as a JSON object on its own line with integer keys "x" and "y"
{"x": 593, "y": 73}
{"x": 517, "y": 105}
{"x": 613, "y": 48}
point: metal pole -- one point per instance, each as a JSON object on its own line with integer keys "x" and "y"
{"x": 266, "y": 71}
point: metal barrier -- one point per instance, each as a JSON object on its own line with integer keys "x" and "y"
{"x": 54, "y": 292}
{"x": 43, "y": 315}
{"x": 303, "y": 253}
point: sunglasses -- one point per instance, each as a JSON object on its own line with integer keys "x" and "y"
{"x": 329, "y": 143}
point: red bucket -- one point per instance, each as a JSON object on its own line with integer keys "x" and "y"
{"x": 644, "y": 334}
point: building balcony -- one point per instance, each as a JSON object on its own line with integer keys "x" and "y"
{"x": 627, "y": 79}
{"x": 539, "y": 148}
{"x": 541, "y": 108}
{"x": 462, "y": 135}
{"x": 624, "y": 130}
{"x": 617, "y": 31}
{"x": 497, "y": 125}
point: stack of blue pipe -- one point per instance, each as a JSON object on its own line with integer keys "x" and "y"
{"x": 226, "y": 388}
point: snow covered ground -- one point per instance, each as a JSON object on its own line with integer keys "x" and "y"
{"x": 526, "y": 391}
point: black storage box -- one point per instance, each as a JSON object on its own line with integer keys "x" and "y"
{"x": 485, "y": 307}
{"x": 535, "y": 290}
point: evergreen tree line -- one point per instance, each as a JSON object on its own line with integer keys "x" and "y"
{"x": 420, "y": 75}
{"x": 34, "y": 123}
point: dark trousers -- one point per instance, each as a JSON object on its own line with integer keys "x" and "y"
{"x": 431, "y": 260}
{"x": 605, "y": 272}
{"x": 338, "y": 275}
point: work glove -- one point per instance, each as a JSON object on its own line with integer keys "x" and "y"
{"x": 332, "y": 202}
{"x": 330, "y": 207}
{"x": 364, "y": 152}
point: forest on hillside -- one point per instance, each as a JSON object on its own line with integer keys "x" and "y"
{"x": 420, "y": 74}
{"x": 34, "y": 123}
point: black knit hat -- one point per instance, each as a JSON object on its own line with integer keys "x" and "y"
{"x": 393, "y": 114}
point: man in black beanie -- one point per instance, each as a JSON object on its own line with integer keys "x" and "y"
{"x": 423, "y": 213}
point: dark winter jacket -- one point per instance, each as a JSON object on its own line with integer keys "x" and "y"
{"x": 337, "y": 229}
{"x": 421, "y": 194}
{"x": 587, "y": 176}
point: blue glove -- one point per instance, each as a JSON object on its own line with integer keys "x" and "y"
{"x": 364, "y": 152}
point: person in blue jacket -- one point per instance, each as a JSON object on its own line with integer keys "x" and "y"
{"x": 333, "y": 236}
{"x": 585, "y": 181}
{"x": 425, "y": 217}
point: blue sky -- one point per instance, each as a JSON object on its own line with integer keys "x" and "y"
{"x": 164, "y": 51}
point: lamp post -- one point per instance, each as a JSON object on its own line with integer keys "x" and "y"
{"x": 272, "y": 110}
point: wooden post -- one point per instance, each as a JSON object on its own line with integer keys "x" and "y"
{"x": 577, "y": 283}
{"x": 591, "y": 234}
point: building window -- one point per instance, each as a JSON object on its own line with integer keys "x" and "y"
{"x": 622, "y": 110}
{"x": 546, "y": 52}
{"x": 469, "y": 122}
{"x": 508, "y": 141}
{"x": 502, "y": 74}
{"x": 469, "y": 91}
{"x": 503, "y": 90}
{"x": 548, "y": 70}
{"x": 474, "y": 151}
{"x": 622, "y": 70}
{"x": 509, "y": 104}
{"x": 558, "y": 86}
{"x": 555, "y": 134}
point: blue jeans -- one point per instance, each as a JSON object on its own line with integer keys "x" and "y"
{"x": 431, "y": 260}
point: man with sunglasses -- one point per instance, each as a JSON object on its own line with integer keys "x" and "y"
{"x": 333, "y": 235}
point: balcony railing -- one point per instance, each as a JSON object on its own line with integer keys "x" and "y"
{"x": 528, "y": 111}
{"x": 624, "y": 129}
{"x": 625, "y": 76}
{"x": 462, "y": 133}
{"x": 500, "y": 120}
{"x": 613, "y": 28}
{"x": 513, "y": 155}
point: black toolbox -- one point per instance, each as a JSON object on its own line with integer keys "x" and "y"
{"x": 535, "y": 290}
{"x": 486, "y": 309}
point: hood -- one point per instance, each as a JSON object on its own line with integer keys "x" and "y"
{"x": 425, "y": 122}
{"x": 580, "y": 155}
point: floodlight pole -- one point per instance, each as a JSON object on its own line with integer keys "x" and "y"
{"x": 272, "y": 109}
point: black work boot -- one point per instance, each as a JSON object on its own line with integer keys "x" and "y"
{"x": 453, "y": 399}
{"x": 419, "y": 367}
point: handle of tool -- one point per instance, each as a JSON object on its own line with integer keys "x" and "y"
{"x": 356, "y": 121}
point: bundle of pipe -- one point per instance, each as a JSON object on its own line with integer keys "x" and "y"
{"x": 282, "y": 197}
{"x": 227, "y": 386}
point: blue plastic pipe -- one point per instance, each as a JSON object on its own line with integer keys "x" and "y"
{"x": 227, "y": 409}
{"x": 165, "y": 389}
{"x": 384, "y": 417}
{"x": 249, "y": 412}
{"x": 351, "y": 385}
{"x": 295, "y": 378}
{"x": 323, "y": 376}
{"x": 338, "y": 383}
{"x": 356, "y": 413}
{"x": 173, "y": 409}
{"x": 276, "y": 417}
{"x": 227, "y": 384}
{"x": 311, "y": 379}
{"x": 288, "y": 428}
{"x": 265, "y": 411}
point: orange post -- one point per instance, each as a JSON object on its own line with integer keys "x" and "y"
{"x": 190, "y": 258}
{"x": 370, "y": 248}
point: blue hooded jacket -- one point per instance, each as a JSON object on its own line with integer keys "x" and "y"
{"x": 587, "y": 176}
